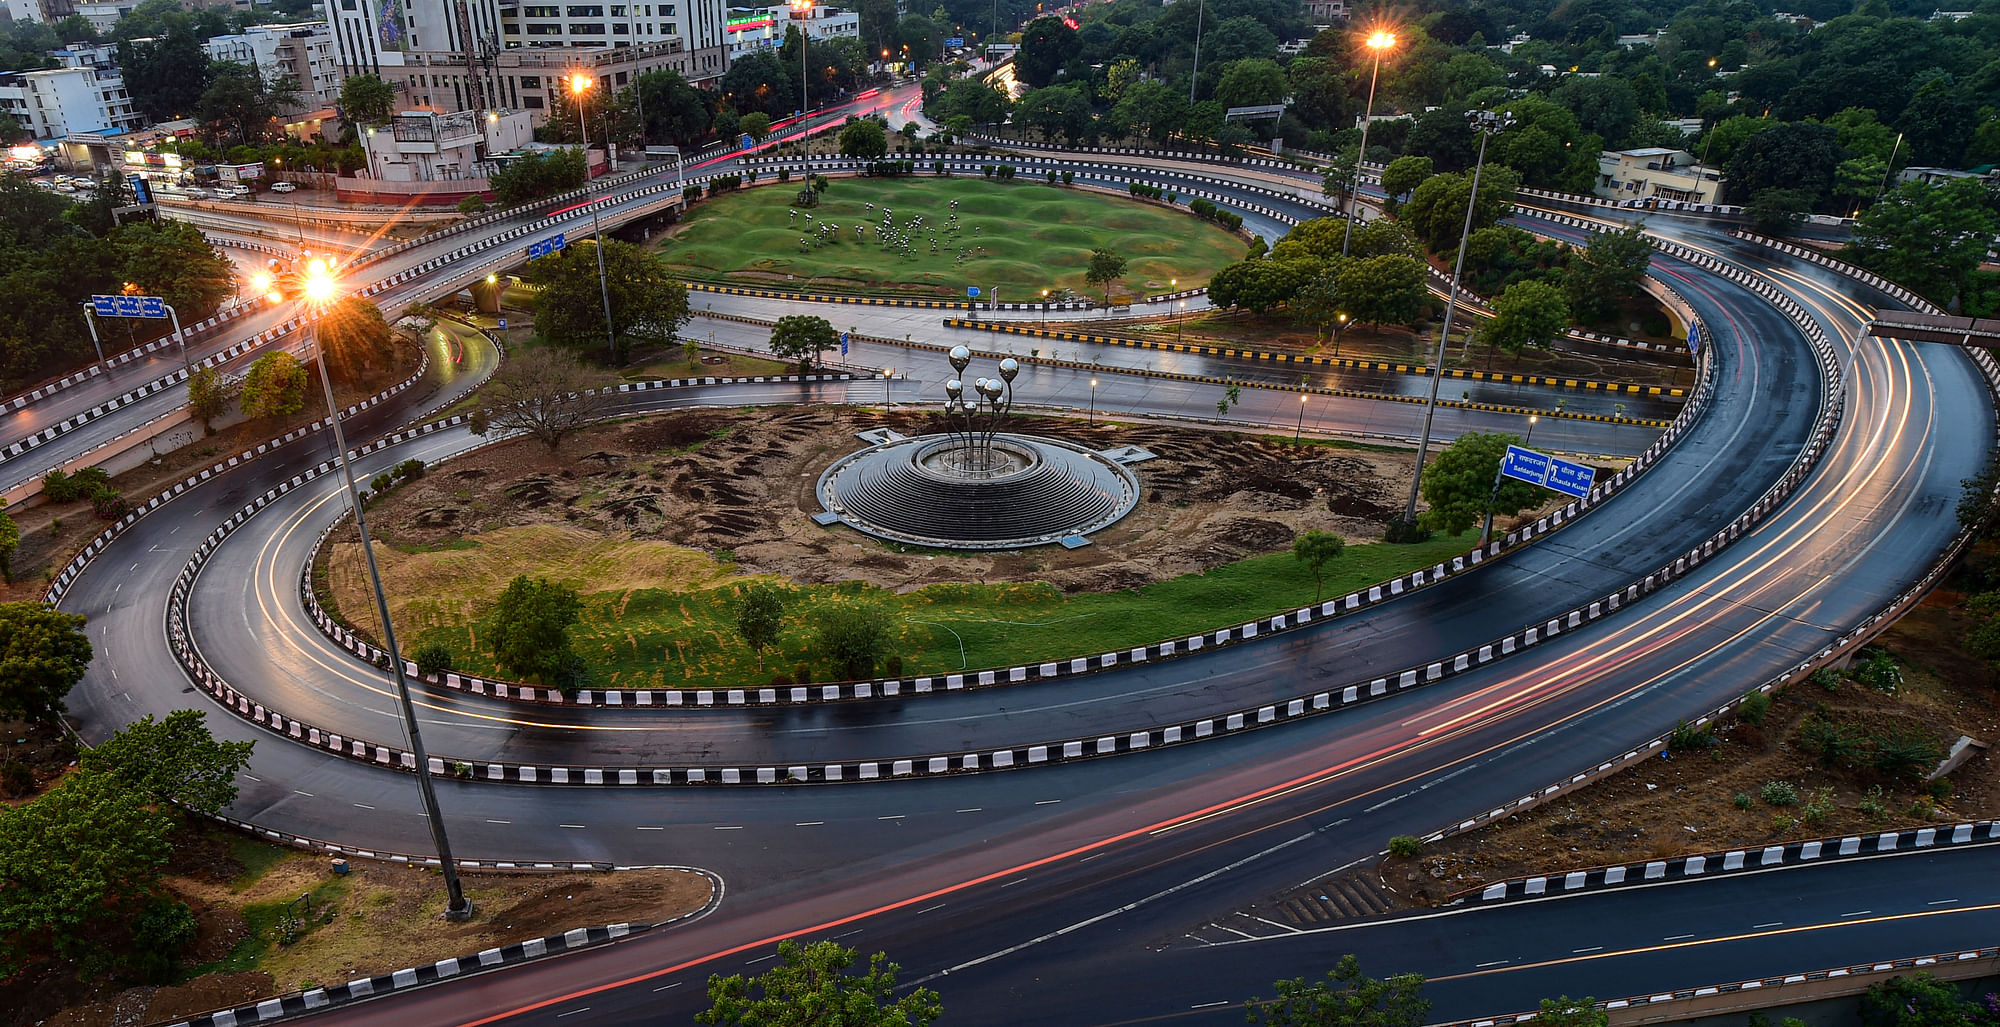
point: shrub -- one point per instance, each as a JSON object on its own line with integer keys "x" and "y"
{"x": 1068, "y": 177}
{"x": 17, "y": 778}
{"x": 89, "y": 481}
{"x": 1905, "y": 754}
{"x": 893, "y": 666}
{"x": 1688, "y": 738}
{"x": 691, "y": 194}
{"x": 1050, "y": 175}
{"x": 784, "y": 174}
{"x": 1833, "y": 743}
{"x": 1828, "y": 678}
{"x": 108, "y": 505}
{"x": 802, "y": 674}
{"x": 1405, "y": 846}
{"x": 1878, "y": 671}
{"x": 1819, "y": 806}
{"x": 433, "y": 658}
{"x": 473, "y": 204}
{"x": 1940, "y": 789}
{"x": 411, "y": 468}
{"x": 1779, "y": 793}
{"x": 58, "y": 486}
{"x": 1782, "y": 823}
{"x": 1742, "y": 800}
{"x": 988, "y": 169}
{"x": 781, "y": 681}
{"x": 381, "y": 483}
{"x": 1874, "y": 806}
{"x": 1754, "y": 708}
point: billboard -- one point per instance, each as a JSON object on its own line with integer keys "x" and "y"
{"x": 391, "y": 25}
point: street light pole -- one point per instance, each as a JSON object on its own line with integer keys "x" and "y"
{"x": 1093, "y": 402}
{"x": 319, "y": 289}
{"x": 580, "y": 84}
{"x": 1378, "y": 42}
{"x": 802, "y": 13}
{"x": 1194, "y": 74}
{"x": 1488, "y": 124}
{"x": 1301, "y": 429}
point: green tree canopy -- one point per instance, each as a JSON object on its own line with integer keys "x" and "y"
{"x": 366, "y": 99}
{"x": 175, "y": 760}
{"x": 1404, "y": 174}
{"x": 803, "y": 337}
{"x": 810, "y": 985}
{"x": 1795, "y": 155}
{"x": 275, "y": 386}
{"x": 851, "y": 635}
{"x": 676, "y": 112}
{"x": 1529, "y": 313}
{"x": 1607, "y": 272}
{"x": 529, "y": 630}
{"x": 535, "y": 175}
{"x": 1346, "y": 998}
{"x": 648, "y": 305}
{"x": 43, "y": 653}
{"x": 1316, "y": 549}
{"x": 864, "y": 138}
{"x": 208, "y": 397}
{"x": 760, "y": 615}
{"x": 10, "y": 539}
{"x": 1930, "y": 238}
{"x": 1458, "y": 483}
{"x": 1435, "y": 212}
{"x": 356, "y": 335}
{"x": 1106, "y": 266}
{"x": 1388, "y": 289}
{"x": 1046, "y": 45}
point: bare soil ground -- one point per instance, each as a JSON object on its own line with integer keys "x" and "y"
{"x": 1686, "y": 803}
{"x": 740, "y": 484}
{"x": 377, "y": 919}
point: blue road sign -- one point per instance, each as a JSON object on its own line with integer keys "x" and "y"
{"x": 545, "y": 247}
{"x": 503, "y": 324}
{"x": 1694, "y": 337}
{"x": 1570, "y": 479}
{"x": 972, "y": 292}
{"x": 843, "y": 344}
{"x": 128, "y": 306}
{"x": 1526, "y": 465}
{"x": 955, "y": 42}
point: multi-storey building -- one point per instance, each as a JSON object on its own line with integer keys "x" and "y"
{"x": 304, "y": 52}
{"x": 756, "y": 28}
{"x": 454, "y": 55}
{"x": 56, "y": 102}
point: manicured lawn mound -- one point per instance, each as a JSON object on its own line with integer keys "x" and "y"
{"x": 1020, "y": 237}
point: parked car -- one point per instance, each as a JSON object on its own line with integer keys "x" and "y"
{"x": 283, "y": 187}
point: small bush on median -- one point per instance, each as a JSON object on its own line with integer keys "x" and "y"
{"x": 1405, "y": 846}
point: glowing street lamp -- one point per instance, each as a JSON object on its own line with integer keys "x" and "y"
{"x": 1301, "y": 429}
{"x": 1378, "y": 41}
{"x": 1093, "y": 401}
{"x": 579, "y": 84}
{"x": 802, "y": 13}
{"x": 317, "y": 286}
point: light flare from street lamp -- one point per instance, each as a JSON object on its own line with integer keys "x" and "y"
{"x": 1381, "y": 40}
{"x": 318, "y": 281}
{"x": 580, "y": 83}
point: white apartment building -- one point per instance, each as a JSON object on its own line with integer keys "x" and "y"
{"x": 304, "y": 51}
{"x": 57, "y": 102}
{"x": 21, "y": 10}
{"x": 103, "y": 14}
{"x": 1656, "y": 172}
{"x": 483, "y": 54}
{"x": 751, "y": 29}
{"x": 424, "y": 146}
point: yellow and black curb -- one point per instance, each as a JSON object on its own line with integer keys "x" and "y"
{"x": 1497, "y": 408}
{"x": 865, "y": 301}
{"x": 1306, "y": 360}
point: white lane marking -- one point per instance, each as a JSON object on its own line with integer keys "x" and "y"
{"x": 306, "y": 794}
{"x": 1774, "y": 923}
{"x": 253, "y": 777}
{"x": 573, "y": 827}
{"x": 1211, "y": 1005}
{"x": 1090, "y": 857}
{"x": 573, "y": 1012}
{"x": 975, "y": 809}
{"x": 1858, "y": 912}
{"x": 1941, "y": 902}
{"x": 809, "y": 823}
{"x": 664, "y": 987}
{"x": 364, "y": 805}
{"x": 1045, "y": 802}
{"x": 849, "y": 934}
{"x": 1497, "y": 962}
{"x": 1013, "y": 882}
{"x": 732, "y": 827}
{"x": 492, "y": 821}
{"x": 1677, "y": 937}
{"x": 897, "y": 816}
{"x": 652, "y": 829}
{"x": 1593, "y": 948}
{"x": 760, "y": 959}
{"x": 929, "y": 909}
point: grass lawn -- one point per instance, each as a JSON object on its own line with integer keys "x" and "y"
{"x": 1020, "y": 237}
{"x": 685, "y": 636}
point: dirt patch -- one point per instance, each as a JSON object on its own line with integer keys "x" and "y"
{"x": 1705, "y": 800}
{"x": 738, "y": 487}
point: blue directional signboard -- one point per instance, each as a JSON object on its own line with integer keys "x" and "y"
{"x": 972, "y": 292}
{"x": 1550, "y": 472}
{"x": 955, "y": 42}
{"x": 545, "y": 247}
{"x": 1694, "y": 337}
{"x": 843, "y": 344}
{"x": 128, "y": 306}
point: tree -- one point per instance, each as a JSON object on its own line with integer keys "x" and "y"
{"x": 78, "y": 862}
{"x": 1607, "y": 272}
{"x": 1794, "y": 155}
{"x": 810, "y": 985}
{"x": 10, "y": 539}
{"x": 366, "y": 99}
{"x": 1384, "y": 290}
{"x": 240, "y": 97}
{"x": 803, "y": 337}
{"x": 166, "y": 75}
{"x": 1571, "y": 1012}
{"x": 274, "y": 387}
{"x": 1151, "y": 109}
{"x": 760, "y": 614}
{"x": 1404, "y": 174}
{"x": 1604, "y": 105}
{"x": 1262, "y": 285}
{"x": 1337, "y": 179}
{"x": 1458, "y": 483}
{"x": 1316, "y": 549}
{"x": 208, "y": 397}
{"x": 43, "y": 653}
{"x": 1778, "y": 211}
{"x": 851, "y": 635}
{"x": 1106, "y": 267}
{"x": 676, "y": 112}
{"x": 865, "y": 139}
{"x": 171, "y": 260}
{"x": 756, "y": 126}
{"x": 355, "y": 335}
{"x": 1529, "y": 313}
{"x": 543, "y": 394}
{"x": 1930, "y": 238}
{"x": 175, "y": 760}
{"x": 1252, "y": 82}
{"x": 1345, "y": 999}
{"x": 1435, "y": 211}
{"x": 760, "y": 82}
{"x": 1919, "y": 1000}
{"x": 648, "y": 305}
{"x": 529, "y": 629}
{"x": 535, "y": 175}
{"x": 1055, "y": 109}
{"x": 1046, "y": 45}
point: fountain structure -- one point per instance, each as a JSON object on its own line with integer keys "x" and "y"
{"x": 976, "y": 485}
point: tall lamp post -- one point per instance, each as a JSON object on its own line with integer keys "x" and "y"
{"x": 319, "y": 289}
{"x": 1093, "y": 401}
{"x": 1194, "y": 74}
{"x": 1378, "y": 41}
{"x": 802, "y": 13}
{"x": 579, "y": 84}
{"x": 1488, "y": 124}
